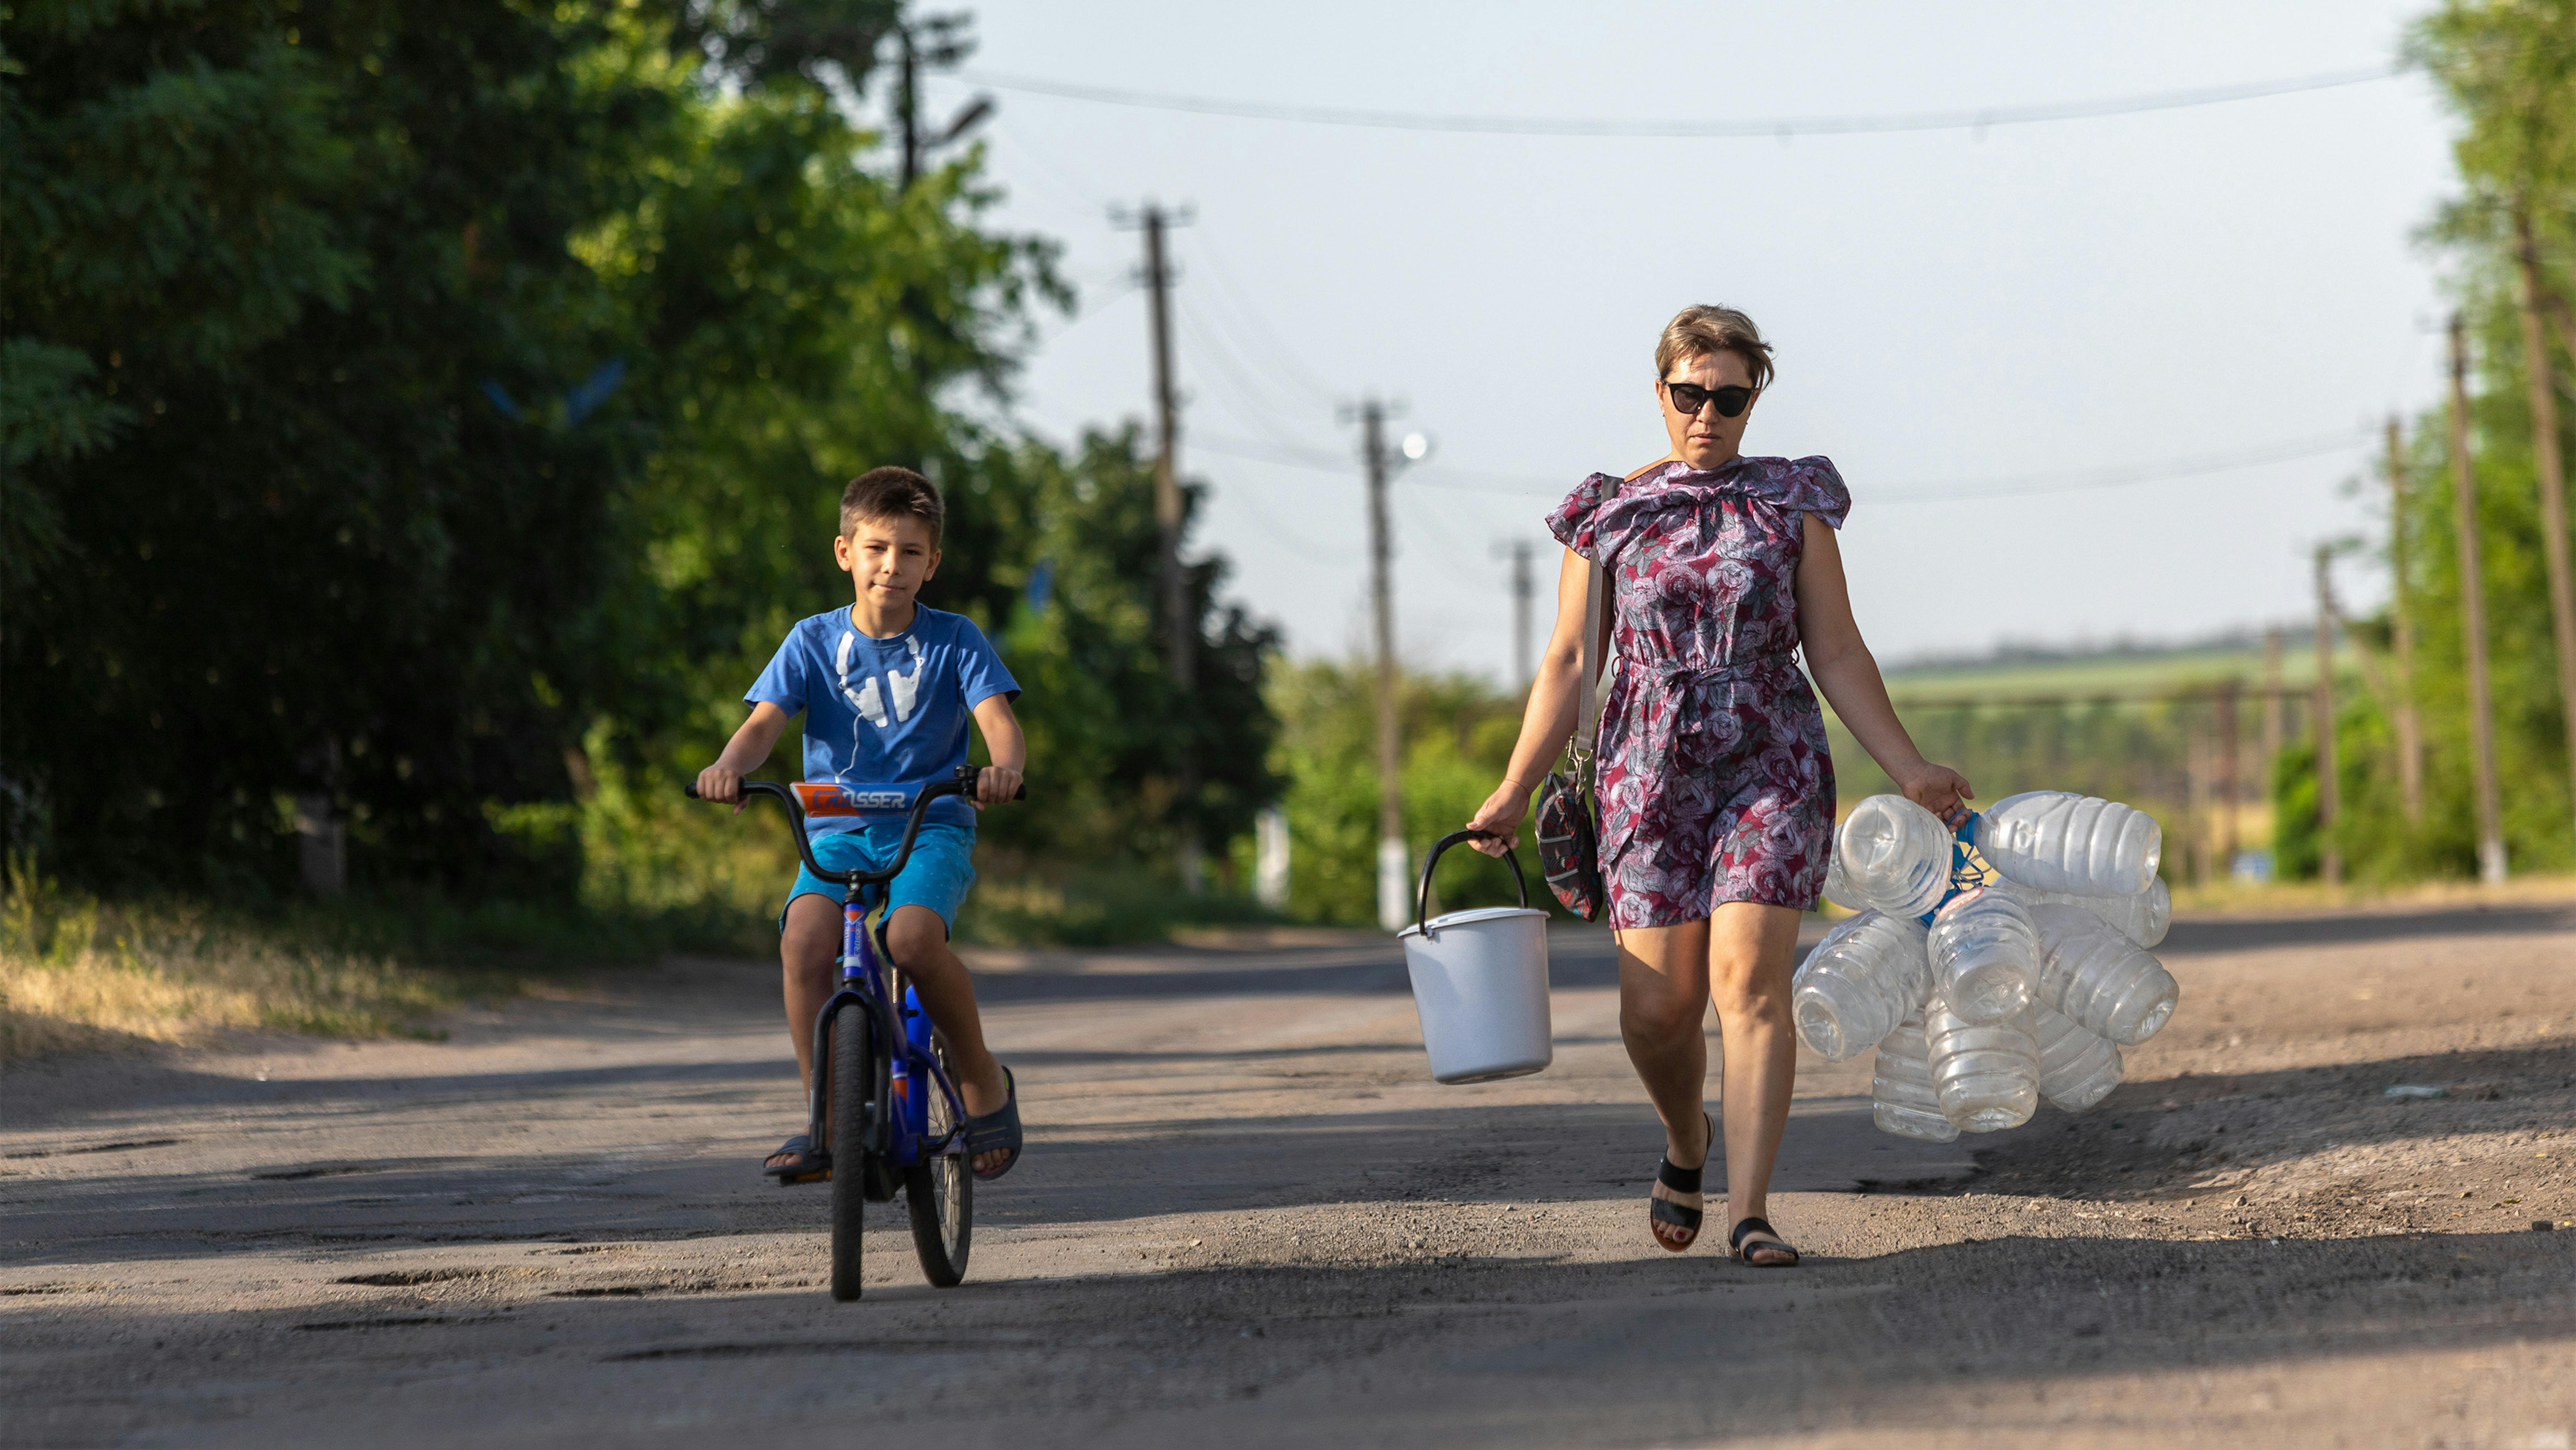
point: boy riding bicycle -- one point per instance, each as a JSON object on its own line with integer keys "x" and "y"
{"x": 887, "y": 686}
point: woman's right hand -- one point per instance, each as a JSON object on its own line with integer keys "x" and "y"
{"x": 1500, "y": 818}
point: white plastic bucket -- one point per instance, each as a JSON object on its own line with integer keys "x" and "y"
{"x": 1479, "y": 984}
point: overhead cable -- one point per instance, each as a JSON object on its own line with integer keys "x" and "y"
{"x": 1962, "y": 491}
{"x": 1782, "y": 127}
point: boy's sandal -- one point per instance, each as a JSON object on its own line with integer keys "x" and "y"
{"x": 1738, "y": 1250}
{"x": 1684, "y": 1220}
{"x": 997, "y": 1130}
{"x": 805, "y": 1163}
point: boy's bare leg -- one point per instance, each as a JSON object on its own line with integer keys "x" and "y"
{"x": 919, "y": 941}
{"x": 807, "y": 952}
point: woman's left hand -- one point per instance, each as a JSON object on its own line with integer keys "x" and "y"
{"x": 1938, "y": 789}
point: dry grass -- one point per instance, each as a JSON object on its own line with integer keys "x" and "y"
{"x": 80, "y": 975}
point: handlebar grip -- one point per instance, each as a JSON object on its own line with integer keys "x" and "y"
{"x": 692, "y": 789}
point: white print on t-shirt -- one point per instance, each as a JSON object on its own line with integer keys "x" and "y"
{"x": 906, "y": 689}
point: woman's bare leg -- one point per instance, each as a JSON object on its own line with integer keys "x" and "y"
{"x": 1750, "y": 949}
{"x": 1663, "y": 1001}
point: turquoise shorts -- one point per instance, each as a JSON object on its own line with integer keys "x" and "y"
{"x": 941, "y": 870}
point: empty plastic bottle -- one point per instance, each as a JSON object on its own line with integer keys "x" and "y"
{"x": 1985, "y": 955}
{"x": 1894, "y": 855}
{"x": 2060, "y": 841}
{"x": 1866, "y": 976}
{"x": 1837, "y": 890}
{"x": 2143, "y": 916}
{"x": 2076, "y": 1068}
{"x": 1986, "y": 1074}
{"x": 2109, "y": 984}
{"x": 1901, "y": 1097}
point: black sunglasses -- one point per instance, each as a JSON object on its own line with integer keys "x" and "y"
{"x": 1689, "y": 398}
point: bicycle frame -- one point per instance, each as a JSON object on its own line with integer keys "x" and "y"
{"x": 900, "y": 1139}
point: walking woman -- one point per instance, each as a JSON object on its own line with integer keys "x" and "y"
{"x": 1715, "y": 787}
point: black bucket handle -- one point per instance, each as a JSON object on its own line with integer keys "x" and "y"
{"x": 1422, "y": 896}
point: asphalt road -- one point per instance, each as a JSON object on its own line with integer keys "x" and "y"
{"x": 1248, "y": 1214}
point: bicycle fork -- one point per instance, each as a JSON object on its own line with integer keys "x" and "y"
{"x": 858, "y": 964}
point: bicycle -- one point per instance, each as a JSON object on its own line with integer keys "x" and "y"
{"x": 891, "y": 1112}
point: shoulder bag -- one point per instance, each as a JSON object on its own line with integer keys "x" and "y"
{"x": 1569, "y": 829}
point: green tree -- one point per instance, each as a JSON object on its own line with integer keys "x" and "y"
{"x": 2508, "y": 70}
{"x": 1458, "y": 733}
{"x": 263, "y": 258}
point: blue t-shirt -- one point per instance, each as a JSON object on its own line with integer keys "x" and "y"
{"x": 881, "y": 712}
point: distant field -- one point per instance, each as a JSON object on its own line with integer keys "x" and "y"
{"x": 2122, "y": 674}
{"x": 2112, "y": 724}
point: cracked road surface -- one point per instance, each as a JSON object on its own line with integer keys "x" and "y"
{"x": 1248, "y": 1216}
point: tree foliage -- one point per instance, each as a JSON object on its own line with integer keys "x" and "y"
{"x": 2508, "y": 70}
{"x": 446, "y": 407}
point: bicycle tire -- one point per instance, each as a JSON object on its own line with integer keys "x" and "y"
{"x": 853, "y": 1070}
{"x": 939, "y": 1195}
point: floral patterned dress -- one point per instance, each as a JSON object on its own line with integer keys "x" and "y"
{"x": 1714, "y": 779}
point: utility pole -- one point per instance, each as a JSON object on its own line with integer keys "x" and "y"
{"x": 1394, "y": 864}
{"x": 940, "y": 42}
{"x": 2329, "y": 855}
{"x": 2410, "y": 730}
{"x": 1523, "y": 589}
{"x": 907, "y": 105}
{"x": 2196, "y": 752}
{"x": 2473, "y": 610}
{"x": 2231, "y": 792}
{"x": 2272, "y": 712}
{"x": 1180, "y": 621}
{"x": 2553, "y": 483}
{"x": 323, "y": 839}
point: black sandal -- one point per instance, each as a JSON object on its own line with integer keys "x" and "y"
{"x": 1736, "y": 1250}
{"x": 998, "y": 1130}
{"x": 1679, "y": 1180}
{"x": 810, "y": 1165}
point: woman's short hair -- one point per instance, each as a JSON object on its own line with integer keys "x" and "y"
{"x": 1706, "y": 331}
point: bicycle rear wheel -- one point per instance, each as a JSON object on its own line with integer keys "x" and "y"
{"x": 939, "y": 1193}
{"x": 854, "y": 1072}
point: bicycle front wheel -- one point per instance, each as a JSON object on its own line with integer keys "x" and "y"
{"x": 854, "y": 1072}
{"x": 939, "y": 1192}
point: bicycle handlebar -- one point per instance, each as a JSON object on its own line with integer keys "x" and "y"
{"x": 962, "y": 783}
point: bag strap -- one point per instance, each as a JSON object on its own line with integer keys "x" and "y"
{"x": 1587, "y": 720}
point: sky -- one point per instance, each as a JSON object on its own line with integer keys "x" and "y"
{"x": 1958, "y": 315}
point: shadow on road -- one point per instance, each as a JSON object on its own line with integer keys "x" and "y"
{"x": 2232, "y": 935}
{"x": 1435, "y": 1354}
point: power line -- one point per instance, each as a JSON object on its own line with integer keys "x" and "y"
{"x": 1235, "y": 380}
{"x": 2121, "y": 476}
{"x": 1782, "y": 127}
{"x": 1290, "y": 367}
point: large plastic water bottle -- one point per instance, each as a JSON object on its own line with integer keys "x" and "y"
{"x": 1901, "y": 1097}
{"x": 1837, "y": 890}
{"x": 2142, "y": 916}
{"x": 1986, "y": 1074}
{"x": 1866, "y": 976}
{"x": 2060, "y": 841}
{"x": 2106, "y": 982}
{"x": 1894, "y": 856}
{"x": 1985, "y": 955}
{"x": 2076, "y": 1068}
